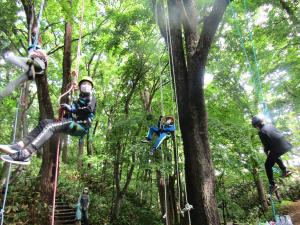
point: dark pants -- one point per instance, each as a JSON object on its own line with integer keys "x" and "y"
{"x": 84, "y": 219}
{"x": 47, "y": 128}
{"x": 273, "y": 158}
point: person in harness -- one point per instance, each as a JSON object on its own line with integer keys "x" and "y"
{"x": 33, "y": 65}
{"x": 165, "y": 127}
{"x": 275, "y": 146}
{"x": 77, "y": 122}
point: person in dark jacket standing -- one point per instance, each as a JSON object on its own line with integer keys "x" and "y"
{"x": 275, "y": 146}
{"x": 84, "y": 200}
{"x": 77, "y": 122}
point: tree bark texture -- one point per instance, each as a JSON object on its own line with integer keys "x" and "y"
{"x": 47, "y": 169}
{"x": 67, "y": 64}
{"x": 189, "y": 53}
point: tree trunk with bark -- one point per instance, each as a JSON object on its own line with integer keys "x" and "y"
{"x": 260, "y": 189}
{"x": 67, "y": 64}
{"x": 189, "y": 52}
{"x": 46, "y": 111}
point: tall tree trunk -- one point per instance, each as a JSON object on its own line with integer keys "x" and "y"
{"x": 46, "y": 111}
{"x": 80, "y": 153}
{"x": 67, "y": 64}
{"x": 189, "y": 78}
{"x": 260, "y": 189}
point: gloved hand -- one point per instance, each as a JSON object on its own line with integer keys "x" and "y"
{"x": 66, "y": 107}
{"x": 29, "y": 62}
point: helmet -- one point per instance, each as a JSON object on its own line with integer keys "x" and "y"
{"x": 257, "y": 121}
{"x": 33, "y": 46}
{"x": 86, "y": 78}
{"x": 86, "y": 189}
{"x": 170, "y": 118}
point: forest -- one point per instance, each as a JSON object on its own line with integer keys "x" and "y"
{"x": 82, "y": 82}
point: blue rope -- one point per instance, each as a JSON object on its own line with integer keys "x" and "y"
{"x": 254, "y": 72}
{"x": 36, "y": 37}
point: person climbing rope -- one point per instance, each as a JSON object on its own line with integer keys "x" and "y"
{"x": 165, "y": 127}
{"x": 274, "y": 146}
{"x": 84, "y": 200}
{"x": 76, "y": 122}
{"x": 33, "y": 65}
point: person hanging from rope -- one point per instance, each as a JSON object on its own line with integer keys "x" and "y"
{"x": 165, "y": 127}
{"x": 76, "y": 122}
{"x": 84, "y": 200}
{"x": 33, "y": 65}
{"x": 274, "y": 146}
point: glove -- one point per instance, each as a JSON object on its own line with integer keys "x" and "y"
{"x": 29, "y": 62}
{"x": 66, "y": 107}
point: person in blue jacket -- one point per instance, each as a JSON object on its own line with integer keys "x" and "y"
{"x": 77, "y": 121}
{"x": 164, "y": 128}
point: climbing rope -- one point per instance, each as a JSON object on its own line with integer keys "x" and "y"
{"x": 9, "y": 168}
{"x": 36, "y": 37}
{"x": 255, "y": 74}
{"x": 165, "y": 216}
{"x": 16, "y": 117}
{"x": 73, "y": 86}
{"x": 75, "y": 73}
{"x": 188, "y": 207}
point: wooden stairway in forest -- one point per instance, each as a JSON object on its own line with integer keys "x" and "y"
{"x": 64, "y": 214}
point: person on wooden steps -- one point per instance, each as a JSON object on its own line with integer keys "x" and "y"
{"x": 76, "y": 122}
{"x": 165, "y": 127}
{"x": 84, "y": 200}
{"x": 275, "y": 146}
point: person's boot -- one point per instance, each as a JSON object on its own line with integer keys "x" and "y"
{"x": 145, "y": 140}
{"x": 273, "y": 188}
{"x": 22, "y": 155}
{"x": 286, "y": 173}
{"x": 9, "y": 149}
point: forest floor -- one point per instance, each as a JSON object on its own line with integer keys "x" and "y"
{"x": 293, "y": 210}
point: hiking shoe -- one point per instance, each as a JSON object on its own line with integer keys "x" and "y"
{"x": 9, "y": 149}
{"x": 145, "y": 140}
{"x": 273, "y": 188}
{"x": 286, "y": 173}
{"x": 22, "y": 155}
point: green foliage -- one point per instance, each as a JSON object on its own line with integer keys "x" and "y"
{"x": 123, "y": 51}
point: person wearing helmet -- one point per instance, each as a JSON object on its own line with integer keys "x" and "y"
{"x": 275, "y": 146}
{"x": 164, "y": 128}
{"x": 33, "y": 65}
{"x": 84, "y": 200}
{"x": 76, "y": 122}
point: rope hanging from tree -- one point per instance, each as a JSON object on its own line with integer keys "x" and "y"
{"x": 36, "y": 36}
{"x": 9, "y": 169}
{"x": 188, "y": 206}
{"x": 75, "y": 72}
{"x": 73, "y": 86}
{"x": 254, "y": 72}
{"x": 16, "y": 116}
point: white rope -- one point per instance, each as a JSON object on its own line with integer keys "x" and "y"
{"x": 9, "y": 169}
{"x": 175, "y": 93}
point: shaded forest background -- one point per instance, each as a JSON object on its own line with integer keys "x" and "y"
{"x": 125, "y": 52}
